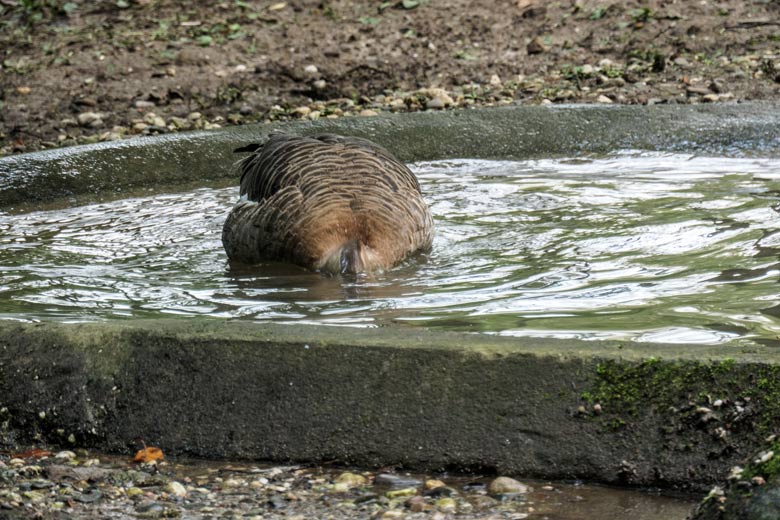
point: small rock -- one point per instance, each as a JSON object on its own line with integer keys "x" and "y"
{"x": 443, "y": 491}
{"x": 23, "y": 91}
{"x": 406, "y": 492}
{"x": 389, "y": 515}
{"x": 710, "y": 98}
{"x": 149, "y": 506}
{"x": 397, "y": 481}
{"x": 89, "y": 119}
{"x": 764, "y": 456}
{"x": 311, "y": 69}
{"x": 176, "y": 489}
{"x": 143, "y": 104}
{"x": 302, "y": 111}
{"x": 351, "y": 480}
{"x": 434, "y": 483}
{"x": 506, "y": 485}
{"x": 153, "y": 119}
{"x": 194, "y": 116}
{"x": 368, "y": 112}
{"x": 495, "y": 80}
{"x": 65, "y": 455}
{"x": 545, "y": 101}
{"x": 179, "y": 123}
{"x": 134, "y": 492}
{"x": 319, "y": 84}
{"x": 605, "y": 100}
{"x": 536, "y": 46}
{"x": 245, "y": 110}
{"x": 446, "y": 505}
{"x": 435, "y": 103}
{"x": 417, "y": 504}
{"x": 682, "y": 62}
{"x": 139, "y": 127}
{"x": 34, "y": 496}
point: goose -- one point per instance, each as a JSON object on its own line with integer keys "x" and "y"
{"x": 329, "y": 203}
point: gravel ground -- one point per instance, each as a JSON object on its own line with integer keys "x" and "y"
{"x": 86, "y": 71}
{"x": 67, "y": 484}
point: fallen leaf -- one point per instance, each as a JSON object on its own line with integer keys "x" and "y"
{"x": 35, "y": 453}
{"x": 149, "y": 454}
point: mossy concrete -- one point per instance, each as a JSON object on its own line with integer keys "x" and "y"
{"x": 119, "y": 168}
{"x": 415, "y": 398}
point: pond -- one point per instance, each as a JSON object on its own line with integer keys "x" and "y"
{"x": 648, "y": 247}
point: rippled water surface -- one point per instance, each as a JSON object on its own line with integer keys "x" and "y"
{"x": 649, "y": 247}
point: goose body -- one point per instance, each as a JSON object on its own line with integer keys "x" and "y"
{"x": 329, "y": 203}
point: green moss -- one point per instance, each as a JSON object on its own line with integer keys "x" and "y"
{"x": 769, "y": 470}
{"x": 627, "y": 389}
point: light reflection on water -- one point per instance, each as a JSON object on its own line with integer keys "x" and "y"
{"x": 649, "y": 247}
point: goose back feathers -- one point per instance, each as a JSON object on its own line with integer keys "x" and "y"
{"x": 330, "y": 203}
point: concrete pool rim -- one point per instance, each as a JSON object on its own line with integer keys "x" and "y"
{"x": 609, "y": 412}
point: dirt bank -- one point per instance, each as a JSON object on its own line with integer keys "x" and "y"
{"x": 75, "y": 72}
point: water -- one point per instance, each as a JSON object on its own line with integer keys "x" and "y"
{"x": 633, "y": 246}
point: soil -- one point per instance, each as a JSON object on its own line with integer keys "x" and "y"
{"x": 85, "y": 71}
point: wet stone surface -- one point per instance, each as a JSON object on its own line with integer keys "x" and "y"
{"x": 85, "y": 485}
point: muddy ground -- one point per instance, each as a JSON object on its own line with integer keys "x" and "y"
{"x": 84, "y": 71}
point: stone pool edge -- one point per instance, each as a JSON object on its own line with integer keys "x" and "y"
{"x": 610, "y": 412}
{"x": 172, "y": 162}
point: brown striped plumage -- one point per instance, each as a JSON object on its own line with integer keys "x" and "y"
{"x": 330, "y": 203}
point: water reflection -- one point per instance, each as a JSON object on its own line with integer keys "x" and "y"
{"x": 646, "y": 247}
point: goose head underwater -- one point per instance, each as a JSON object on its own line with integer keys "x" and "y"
{"x": 329, "y": 203}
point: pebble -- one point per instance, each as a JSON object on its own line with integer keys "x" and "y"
{"x": 366, "y": 112}
{"x": 311, "y": 69}
{"x": 92, "y": 119}
{"x": 142, "y": 104}
{"x": 65, "y": 455}
{"x": 245, "y": 110}
{"x": 495, "y": 80}
{"x": 180, "y": 123}
{"x": 605, "y": 100}
{"x": 446, "y": 505}
{"x": 302, "y": 111}
{"x": 153, "y": 119}
{"x": 536, "y": 46}
{"x": 764, "y": 456}
{"x": 398, "y": 481}
{"x": 434, "y": 103}
{"x": 23, "y": 91}
{"x": 194, "y": 116}
{"x": 434, "y": 483}
{"x": 506, "y": 485}
{"x": 405, "y": 492}
{"x": 176, "y": 489}
{"x": 351, "y": 480}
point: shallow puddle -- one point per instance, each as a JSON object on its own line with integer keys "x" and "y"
{"x": 640, "y": 246}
